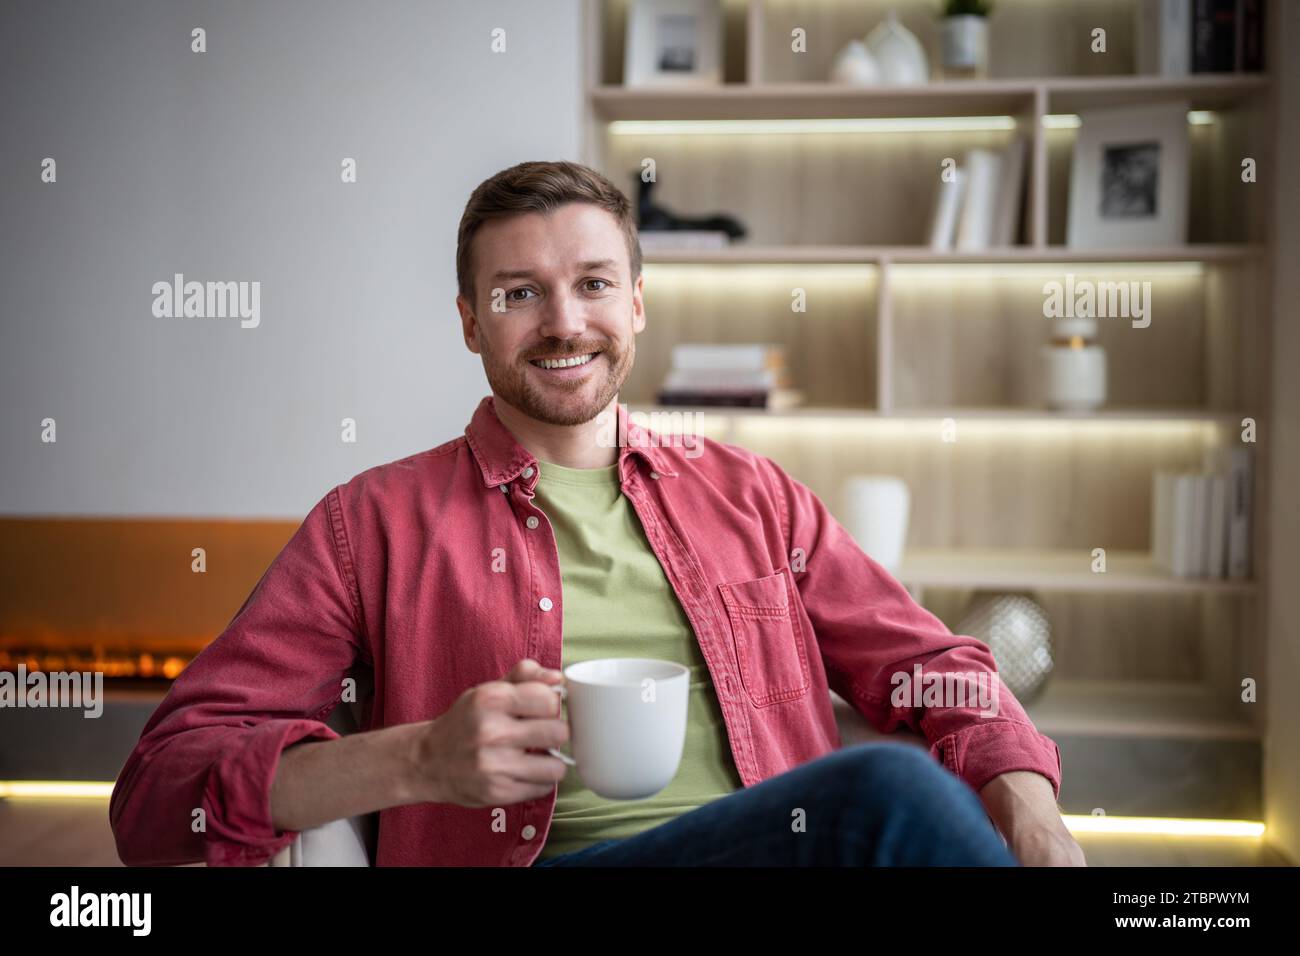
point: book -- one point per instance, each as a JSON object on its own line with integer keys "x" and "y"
{"x": 1250, "y": 36}
{"x": 1198, "y": 520}
{"x": 1240, "y": 485}
{"x": 774, "y": 399}
{"x": 1216, "y": 549}
{"x": 1164, "y": 37}
{"x": 947, "y": 208}
{"x": 1181, "y": 524}
{"x": 1214, "y": 36}
{"x": 702, "y": 380}
{"x": 1011, "y": 188}
{"x": 713, "y": 356}
{"x": 975, "y": 227}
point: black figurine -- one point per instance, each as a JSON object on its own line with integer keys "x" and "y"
{"x": 652, "y": 217}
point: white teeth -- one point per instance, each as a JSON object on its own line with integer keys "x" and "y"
{"x": 565, "y": 363}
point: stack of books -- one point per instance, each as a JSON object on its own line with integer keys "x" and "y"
{"x": 979, "y": 204}
{"x": 1200, "y": 521}
{"x": 739, "y": 376}
{"x": 1178, "y": 37}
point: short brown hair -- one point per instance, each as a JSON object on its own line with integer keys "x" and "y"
{"x": 540, "y": 187}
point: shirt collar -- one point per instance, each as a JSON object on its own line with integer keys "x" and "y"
{"x": 501, "y": 458}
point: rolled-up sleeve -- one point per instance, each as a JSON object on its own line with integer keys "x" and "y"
{"x": 197, "y": 785}
{"x": 871, "y": 633}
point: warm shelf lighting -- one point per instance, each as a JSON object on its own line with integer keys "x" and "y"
{"x": 1166, "y": 826}
{"x": 1072, "y": 121}
{"x": 882, "y": 124}
{"x": 57, "y": 789}
{"x": 913, "y": 124}
{"x": 973, "y": 425}
{"x": 983, "y": 271}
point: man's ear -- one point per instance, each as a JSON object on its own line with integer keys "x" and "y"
{"x": 638, "y": 305}
{"x": 468, "y": 324}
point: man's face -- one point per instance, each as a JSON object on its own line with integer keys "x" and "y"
{"x": 565, "y": 294}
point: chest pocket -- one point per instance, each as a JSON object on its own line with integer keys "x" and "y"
{"x": 768, "y": 637}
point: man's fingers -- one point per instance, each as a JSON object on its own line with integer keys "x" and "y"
{"x": 534, "y": 699}
{"x": 529, "y": 669}
{"x": 537, "y": 768}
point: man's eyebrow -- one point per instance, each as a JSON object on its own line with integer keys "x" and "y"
{"x": 587, "y": 266}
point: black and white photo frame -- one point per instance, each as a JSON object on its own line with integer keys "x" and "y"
{"x": 673, "y": 43}
{"x": 1129, "y": 178}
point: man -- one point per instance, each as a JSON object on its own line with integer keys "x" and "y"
{"x": 466, "y": 576}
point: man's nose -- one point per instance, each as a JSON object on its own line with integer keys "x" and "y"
{"x": 563, "y": 316}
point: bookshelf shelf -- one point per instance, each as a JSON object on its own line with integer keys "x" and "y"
{"x": 744, "y": 101}
{"x": 1056, "y": 570}
{"x": 1211, "y": 92}
{"x": 1144, "y": 709}
{"x": 1010, "y": 415}
{"x": 758, "y": 255}
{"x": 750, "y": 101}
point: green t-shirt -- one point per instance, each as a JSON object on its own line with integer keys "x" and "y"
{"x": 617, "y": 602}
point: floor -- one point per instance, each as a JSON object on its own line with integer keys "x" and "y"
{"x": 35, "y": 832}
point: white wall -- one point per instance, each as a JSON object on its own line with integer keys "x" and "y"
{"x": 225, "y": 165}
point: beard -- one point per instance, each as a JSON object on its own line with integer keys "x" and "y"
{"x": 561, "y": 402}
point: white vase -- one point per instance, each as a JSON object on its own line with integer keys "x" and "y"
{"x": 876, "y": 512}
{"x": 964, "y": 41}
{"x": 1074, "y": 367}
{"x": 855, "y": 65}
{"x": 898, "y": 52}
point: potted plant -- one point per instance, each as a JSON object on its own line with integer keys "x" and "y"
{"x": 964, "y": 38}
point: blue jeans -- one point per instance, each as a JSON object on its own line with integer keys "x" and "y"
{"x": 873, "y": 804}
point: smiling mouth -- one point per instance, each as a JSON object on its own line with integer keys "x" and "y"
{"x": 571, "y": 361}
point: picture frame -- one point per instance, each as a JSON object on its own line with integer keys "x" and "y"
{"x": 1129, "y": 178}
{"x": 675, "y": 43}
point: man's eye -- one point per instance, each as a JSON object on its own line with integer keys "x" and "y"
{"x": 602, "y": 282}
{"x": 510, "y": 295}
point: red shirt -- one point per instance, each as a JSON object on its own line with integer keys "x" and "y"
{"x": 394, "y": 570}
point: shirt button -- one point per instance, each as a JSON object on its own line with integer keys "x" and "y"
{"x": 532, "y": 521}
{"x": 505, "y": 489}
{"x": 528, "y": 832}
{"x": 545, "y": 604}
{"x": 654, "y": 475}
{"x": 528, "y": 472}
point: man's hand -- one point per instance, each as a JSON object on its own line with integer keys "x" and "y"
{"x": 1023, "y": 806}
{"x": 477, "y": 754}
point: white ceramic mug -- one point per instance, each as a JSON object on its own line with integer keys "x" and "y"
{"x": 627, "y": 723}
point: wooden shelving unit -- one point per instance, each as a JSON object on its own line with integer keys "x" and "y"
{"x": 812, "y": 100}
{"x": 876, "y": 255}
{"x": 901, "y": 337}
{"x": 1060, "y": 570}
{"x": 1140, "y": 709}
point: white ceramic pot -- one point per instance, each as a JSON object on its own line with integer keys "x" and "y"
{"x": 964, "y": 41}
{"x": 899, "y": 53}
{"x": 1075, "y": 378}
{"x": 876, "y": 512}
{"x": 855, "y": 65}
